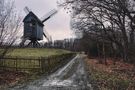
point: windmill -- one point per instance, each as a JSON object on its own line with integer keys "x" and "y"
{"x": 34, "y": 27}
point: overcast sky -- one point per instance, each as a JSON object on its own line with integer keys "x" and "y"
{"x": 58, "y": 26}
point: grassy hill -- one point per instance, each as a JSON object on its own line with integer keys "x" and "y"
{"x": 34, "y": 52}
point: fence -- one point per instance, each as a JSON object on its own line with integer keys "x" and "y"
{"x": 41, "y": 64}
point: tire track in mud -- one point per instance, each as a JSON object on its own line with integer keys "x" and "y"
{"x": 70, "y": 77}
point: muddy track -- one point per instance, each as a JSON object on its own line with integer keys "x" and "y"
{"x": 70, "y": 77}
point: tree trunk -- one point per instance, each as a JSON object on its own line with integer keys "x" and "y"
{"x": 104, "y": 54}
{"x": 99, "y": 56}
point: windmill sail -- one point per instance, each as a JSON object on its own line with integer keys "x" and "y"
{"x": 48, "y": 15}
{"x": 27, "y": 10}
{"x": 47, "y": 36}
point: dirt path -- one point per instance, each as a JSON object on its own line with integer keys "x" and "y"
{"x": 70, "y": 77}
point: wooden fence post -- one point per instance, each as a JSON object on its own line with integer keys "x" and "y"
{"x": 40, "y": 64}
{"x": 16, "y": 63}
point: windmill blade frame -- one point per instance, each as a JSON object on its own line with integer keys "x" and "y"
{"x": 48, "y": 15}
{"x": 47, "y": 36}
{"x": 27, "y": 10}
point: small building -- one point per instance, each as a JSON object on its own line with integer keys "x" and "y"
{"x": 33, "y": 27}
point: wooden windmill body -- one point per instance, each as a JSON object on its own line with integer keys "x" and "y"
{"x": 34, "y": 28}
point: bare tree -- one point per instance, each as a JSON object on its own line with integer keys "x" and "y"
{"x": 106, "y": 21}
{"x": 10, "y": 23}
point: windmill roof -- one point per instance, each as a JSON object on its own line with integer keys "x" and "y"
{"x": 33, "y": 15}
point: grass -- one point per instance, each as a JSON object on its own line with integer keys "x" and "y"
{"x": 111, "y": 77}
{"x": 30, "y": 53}
{"x": 35, "y": 52}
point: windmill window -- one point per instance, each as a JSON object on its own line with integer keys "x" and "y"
{"x": 31, "y": 24}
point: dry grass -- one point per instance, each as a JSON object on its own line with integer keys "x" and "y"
{"x": 11, "y": 77}
{"x": 120, "y": 76}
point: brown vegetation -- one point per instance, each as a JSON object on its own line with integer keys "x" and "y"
{"x": 118, "y": 76}
{"x": 10, "y": 78}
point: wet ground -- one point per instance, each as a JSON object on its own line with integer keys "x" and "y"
{"x": 70, "y": 77}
